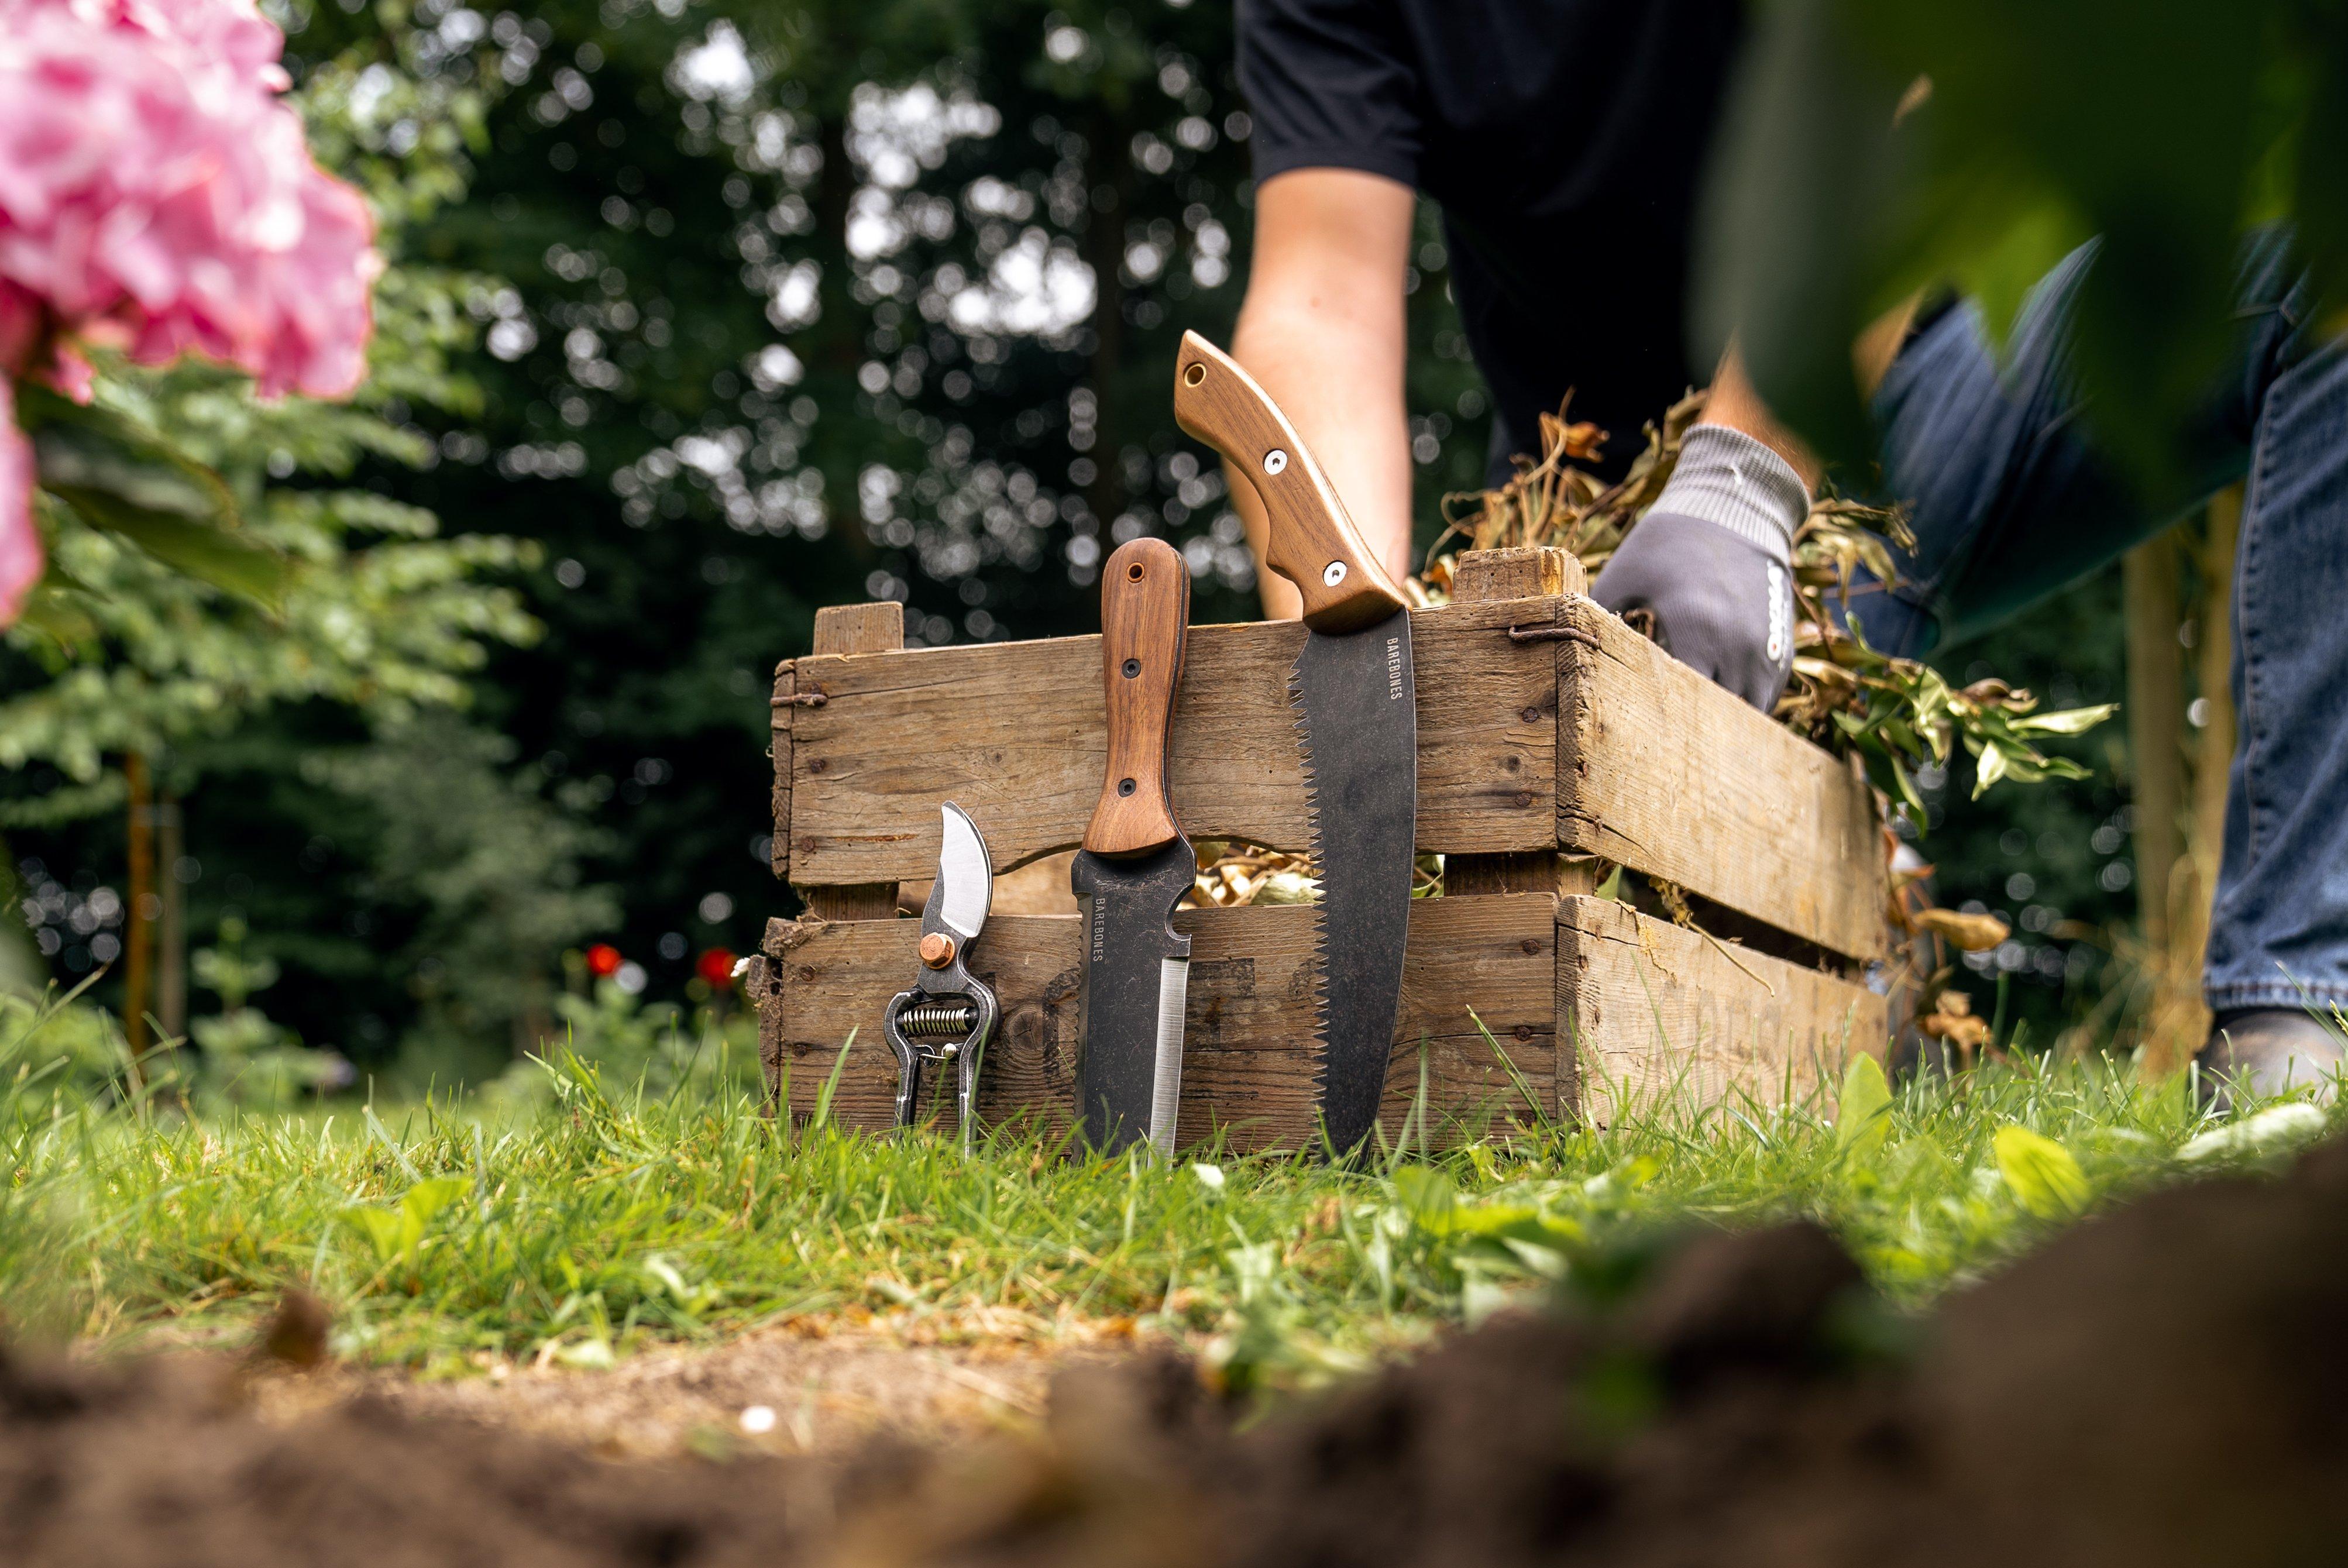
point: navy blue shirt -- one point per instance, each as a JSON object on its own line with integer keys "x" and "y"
{"x": 1564, "y": 140}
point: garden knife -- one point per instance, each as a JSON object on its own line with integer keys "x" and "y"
{"x": 1135, "y": 865}
{"x": 1357, "y": 699}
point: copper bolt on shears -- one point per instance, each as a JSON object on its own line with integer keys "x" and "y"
{"x": 949, "y": 1014}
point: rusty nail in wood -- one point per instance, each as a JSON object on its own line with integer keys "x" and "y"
{"x": 1551, "y": 634}
{"x": 804, "y": 699}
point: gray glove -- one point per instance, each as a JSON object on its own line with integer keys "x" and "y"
{"x": 1708, "y": 564}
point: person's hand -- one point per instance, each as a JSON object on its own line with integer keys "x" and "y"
{"x": 1716, "y": 602}
{"x": 1706, "y": 572}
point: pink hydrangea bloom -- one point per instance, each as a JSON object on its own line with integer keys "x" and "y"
{"x": 156, "y": 196}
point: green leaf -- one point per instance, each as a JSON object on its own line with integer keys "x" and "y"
{"x": 385, "y": 1230}
{"x": 127, "y": 481}
{"x": 58, "y": 614}
{"x": 393, "y": 1233}
{"x": 2071, "y": 721}
{"x": 1427, "y": 1194}
{"x": 428, "y": 1197}
{"x": 822, "y": 1116}
{"x": 1993, "y": 765}
{"x": 1863, "y": 1112}
{"x": 1899, "y": 776}
{"x": 2046, "y": 1179}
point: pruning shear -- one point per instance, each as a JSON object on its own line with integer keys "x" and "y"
{"x": 948, "y": 1015}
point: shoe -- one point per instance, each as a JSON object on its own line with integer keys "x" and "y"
{"x": 2262, "y": 1052}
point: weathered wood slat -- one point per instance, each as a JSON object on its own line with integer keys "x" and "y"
{"x": 1015, "y": 732}
{"x": 1654, "y": 1014}
{"x": 1660, "y": 770}
{"x": 1541, "y": 575}
{"x": 1249, "y": 1052}
{"x": 847, "y": 630}
{"x": 778, "y": 728}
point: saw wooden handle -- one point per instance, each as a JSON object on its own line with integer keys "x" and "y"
{"x": 1145, "y": 618}
{"x": 1313, "y": 543}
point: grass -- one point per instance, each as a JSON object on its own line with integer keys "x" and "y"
{"x": 447, "y": 1235}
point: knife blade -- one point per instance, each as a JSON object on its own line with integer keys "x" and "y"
{"x": 1356, "y": 693}
{"x": 1135, "y": 865}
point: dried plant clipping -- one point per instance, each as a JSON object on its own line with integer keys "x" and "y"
{"x": 1232, "y": 874}
{"x": 1952, "y": 1021}
{"x": 1896, "y": 714}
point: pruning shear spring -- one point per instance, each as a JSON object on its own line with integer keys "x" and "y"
{"x": 949, "y": 1014}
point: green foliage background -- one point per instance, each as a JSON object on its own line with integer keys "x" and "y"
{"x": 702, "y": 315}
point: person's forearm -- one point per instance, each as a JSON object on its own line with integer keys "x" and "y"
{"x": 1323, "y": 331}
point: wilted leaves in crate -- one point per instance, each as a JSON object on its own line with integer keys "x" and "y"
{"x": 1896, "y": 714}
{"x": 1231, "y": 875}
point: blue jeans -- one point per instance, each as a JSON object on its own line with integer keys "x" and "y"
{"x": 2010, "y": 503}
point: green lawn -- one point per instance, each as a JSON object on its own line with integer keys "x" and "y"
{"x": 597, "y": 1220}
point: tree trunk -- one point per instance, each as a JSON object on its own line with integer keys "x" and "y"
{"x": 171, "y": 958}
{"x": 2212, "y": 756}
{"x": 2156, "y": 713}
{"x": 1108, "y": 177}
{"x": 137, "y": 925}
{"x": 835, "y": 343}
{"x": 2180, "y": 770}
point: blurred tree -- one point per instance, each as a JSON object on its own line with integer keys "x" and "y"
{"x": 220, "y": 572}
{"x": 816, "y": 303}
{"x": 730, "y": 311}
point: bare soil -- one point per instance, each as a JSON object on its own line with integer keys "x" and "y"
{"x": 806, "y": 1389}
{"x": 2165, "y": 1385}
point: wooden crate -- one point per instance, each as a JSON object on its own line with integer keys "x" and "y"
{"x": 1554, "y": 743}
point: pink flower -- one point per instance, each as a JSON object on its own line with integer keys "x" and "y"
{"x": 156, "y": 196}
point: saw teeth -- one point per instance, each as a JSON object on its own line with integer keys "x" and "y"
{"x": 1320, "y": 968}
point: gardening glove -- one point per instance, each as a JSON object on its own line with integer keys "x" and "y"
{"x": 1710, "y": 564}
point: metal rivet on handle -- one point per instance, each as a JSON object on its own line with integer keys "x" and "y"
{"x": 1334, "y": 574}
{"x": 1275, "y": 461}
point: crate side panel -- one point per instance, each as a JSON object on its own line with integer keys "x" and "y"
{"x": 1661, "y": 1017}
{"x": 1666, "y": 773}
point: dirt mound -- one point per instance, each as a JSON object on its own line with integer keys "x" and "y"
{"x": 2168, "y": 1385}
{"x": 163, "y": 1462}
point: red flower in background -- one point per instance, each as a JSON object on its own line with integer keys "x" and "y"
{"x": 716, "y": 966}
{"x": 603, "y": 960}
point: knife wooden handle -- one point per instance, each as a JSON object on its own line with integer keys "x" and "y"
{"x": 1312, "y": 543}
{"x": 1145, "y": 616}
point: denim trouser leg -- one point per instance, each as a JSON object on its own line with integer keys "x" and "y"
{"x": 2279, "y": 934}
{"x": 2009, "y": 503}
